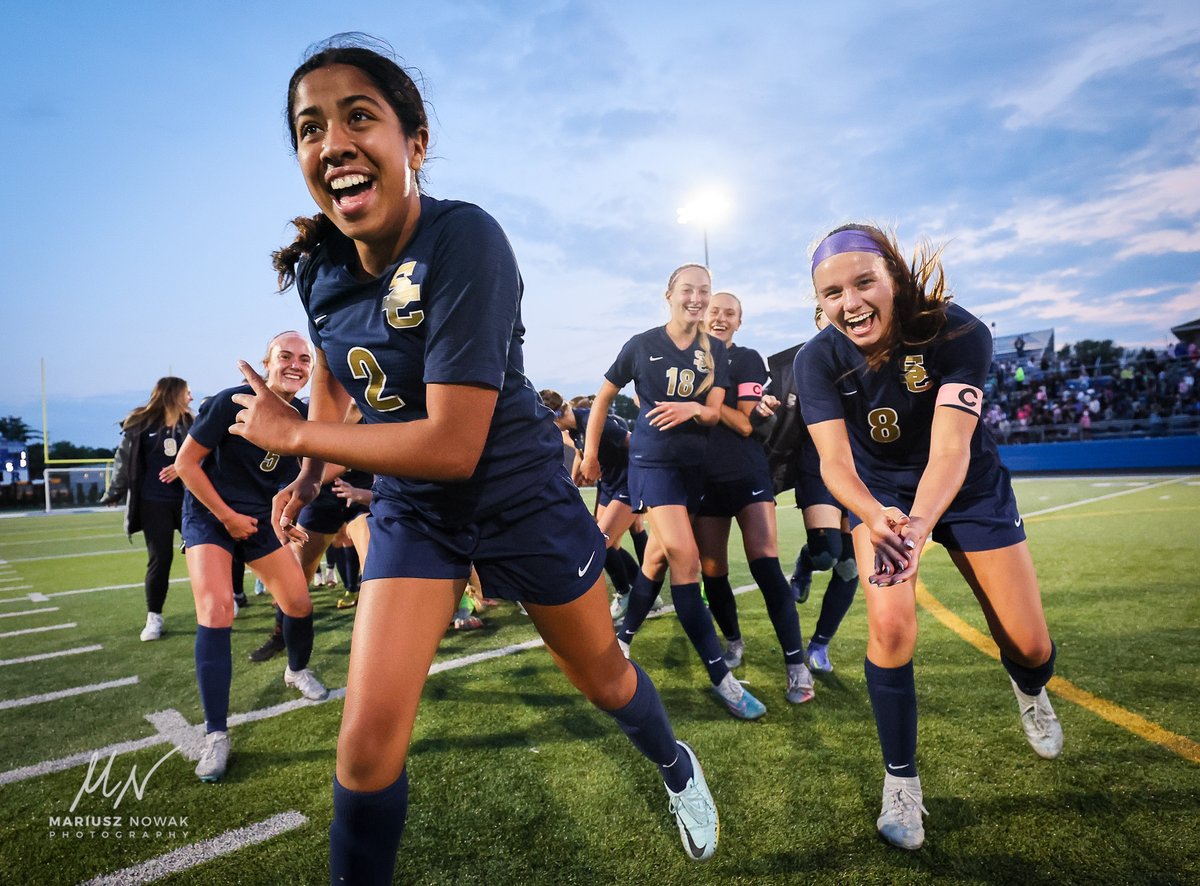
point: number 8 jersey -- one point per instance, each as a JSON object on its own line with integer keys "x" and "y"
{"x": 889, "y": 412}
{"x": 448, "y": 311}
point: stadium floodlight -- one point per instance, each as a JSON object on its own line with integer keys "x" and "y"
{"x": 706, "y": 208}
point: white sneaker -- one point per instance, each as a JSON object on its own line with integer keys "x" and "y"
{"x": 624, "y": 646}
{"x": 620, "y": 602}
{"x": 306, "y": 682}
{"x": 900, "y": 820}
{"x": 154, "y": 627}
{"x": 733, "y": 653}
{"x": 1040, "y": 723}
{"x": 259, "y": 587}
{"x": 658, "y": 604}
{"x": 799, "y": 684}
{"x": 696, "y": 813}
{"x": 215, "y": 758}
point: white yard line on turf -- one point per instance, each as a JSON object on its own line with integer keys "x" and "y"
{"x": 24, "y": 599}
{"x": 41, "y": 656}
{"x": 1088, "y": 501}
{"x": 61, "y": 627}
{"x": 129, "y": 550}
{"x": 28, "y": 612}
{"x": 65, "y": 693}
{"x": 194, "y": 854}
{"x": 58, "y": 541}
{"x": 40, "y": 597}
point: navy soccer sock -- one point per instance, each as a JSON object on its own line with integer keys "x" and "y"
{"x": 894, "y": 701}
{"x": 1031, "y": 680}
{"x": 366, "y": 831}
{"x": 347, "y": 567}
{"x": 617, "y": 573}
{"x": 214, "y": 673}
{"x": 698, "y": 625}
{"x": 640, "y": 537}
{"x": 839, "y": 594}
{"x": 632, "y": 567}
{"x": 645, "y": 721}
{"x": 722, "y": 605}
{"x": 641, "y": 598}
{"x": 777, "y": 594}
{"x": 298, "y": 639}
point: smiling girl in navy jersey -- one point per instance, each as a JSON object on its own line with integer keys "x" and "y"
{"x": 414, "y": 304}
{"x": 892, "y": 394}
{"x": 680, "y": 374}
{"x": 737, "y": 484}
{"x": 227, "y": 509}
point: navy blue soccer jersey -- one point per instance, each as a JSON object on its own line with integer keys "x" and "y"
{"x": 663, "y": 373}
{"x": 245, "y": 476}
{"x": 730, "y": 455}
{"x": 889, "y": 412}
{"x": 614, "y": 446}
{"x": 448, "y": 311}
{"x": 158, "y": 449}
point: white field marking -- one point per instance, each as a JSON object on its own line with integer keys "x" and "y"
{"x": 65, "y": 693}
{"x": 61, "y": 627}
{"x": 129, "y": 550}
{"x": 35, "y": 597}
{"x": 1164, "y": 498}
{"x": 187, "y": 857}
{"x": 28, "y": 612}
{"x": 41, "y": 597}
{"x": 41, "y": 656}
{"x": 172, "y": 728}
{"x": 58, "y": 541}
{"x": 23, "y": 599}
{"x": 1088, "y": 501}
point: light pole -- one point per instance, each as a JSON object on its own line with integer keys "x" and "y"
{"x": 706, "y": 208}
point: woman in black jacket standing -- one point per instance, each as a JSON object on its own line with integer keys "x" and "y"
{"x": 145, "y": 469}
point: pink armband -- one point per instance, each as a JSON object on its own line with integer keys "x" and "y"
{"x": 968, "y": 398}
{"x": 749, "y": 390}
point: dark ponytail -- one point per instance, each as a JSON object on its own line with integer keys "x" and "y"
{"x": 310, "y": 231}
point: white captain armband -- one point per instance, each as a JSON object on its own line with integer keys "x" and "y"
{"x": 968, "y": 398}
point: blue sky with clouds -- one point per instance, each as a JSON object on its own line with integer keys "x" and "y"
{"x": 1052, "y": 147}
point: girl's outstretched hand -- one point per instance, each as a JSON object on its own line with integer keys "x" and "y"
{"x": 265, "y": 419}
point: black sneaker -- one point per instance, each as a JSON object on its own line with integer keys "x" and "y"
{"x": 270, "y": 649}
{"x": 239, "y": 597}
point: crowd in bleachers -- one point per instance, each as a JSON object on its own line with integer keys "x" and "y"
{"x": 1044, "y": 397}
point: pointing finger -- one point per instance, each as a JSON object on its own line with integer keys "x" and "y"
{"x": 252, "y": 378}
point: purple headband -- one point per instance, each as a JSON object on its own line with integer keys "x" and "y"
{"x": 844, "y": 241}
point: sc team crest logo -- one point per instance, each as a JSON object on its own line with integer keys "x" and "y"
{"x": 702, "y": 361}
{"x": 403, "y": 292}
{"x": 916, "y": 379}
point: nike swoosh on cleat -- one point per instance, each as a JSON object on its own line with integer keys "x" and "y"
{"x": 652, "y": 359}
{"x": 697, "y": 851}
{"x": 584, "y": 567}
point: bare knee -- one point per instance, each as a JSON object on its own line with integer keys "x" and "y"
{"x": 293, "y": 600}
{"x": 893, "y": 637}
{"x": 1031, "y": 653}
{"x": 368, "y": 758}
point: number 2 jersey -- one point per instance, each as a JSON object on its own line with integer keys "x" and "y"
{"x": 447, "y": 311}
{"x": 889, "y": 411}
{"x": 663, "y": 373}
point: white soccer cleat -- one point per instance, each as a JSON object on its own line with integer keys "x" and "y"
{"x": 1040, "y": 723}
{"x": 154, "y": 627}
{"x": 306, "y": 682}
{"x": 696, "y": 813}
{"x": 215, "y": 758}
{"x": 799, "y": 684}
{"x": 624, "y": 647}
{"x": 900, "y": 821}
{"x": 620, "y": 603}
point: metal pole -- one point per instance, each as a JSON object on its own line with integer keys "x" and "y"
{"x": 706, "y": 246}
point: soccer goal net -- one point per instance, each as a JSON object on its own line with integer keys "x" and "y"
{"x": 75, "y": 487}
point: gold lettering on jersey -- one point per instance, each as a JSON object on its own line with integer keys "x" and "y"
{"x": 170, "y": 447}
{"x": 402, "y": 292}
{"x": 702, "y": 360}
{"x": 916, "y": 379}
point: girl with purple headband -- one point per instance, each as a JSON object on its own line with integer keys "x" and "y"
{"x": 892, "y": 396}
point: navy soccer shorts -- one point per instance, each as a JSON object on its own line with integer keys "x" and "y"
{"x": 200, "y": 527}
{"x": 982, "y": 517}
{"x": 728, "y": 498}
{"x": 327, "y": 513}
{"x": 546, "y": 550}
{"x": 651, "y": 486}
